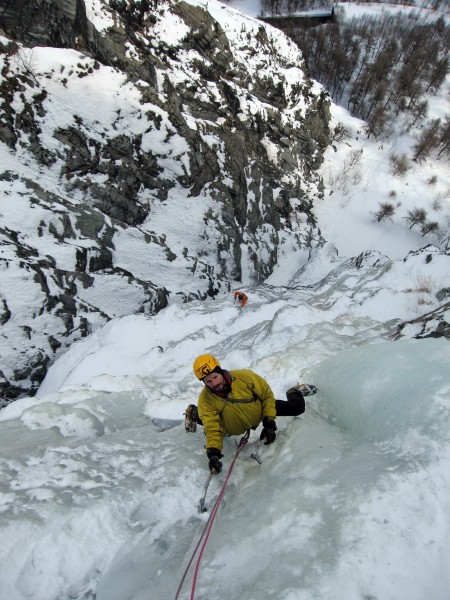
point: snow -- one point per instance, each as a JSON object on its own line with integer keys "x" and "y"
{"x": 345, "y": 202}
{"x": 99, "y": 483}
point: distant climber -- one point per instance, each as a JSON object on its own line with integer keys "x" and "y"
{"x": 241, "y": 298}
{"x": 233, "y": 402}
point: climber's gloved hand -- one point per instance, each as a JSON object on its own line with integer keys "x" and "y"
{"x": 214, "y": 456}
{"x": 268, "y": 434}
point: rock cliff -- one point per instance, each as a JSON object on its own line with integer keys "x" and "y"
{"x": 153, "y": 152}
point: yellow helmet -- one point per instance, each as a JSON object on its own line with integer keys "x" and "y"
{"x": 204, "y": 365}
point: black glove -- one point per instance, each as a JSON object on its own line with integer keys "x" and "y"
{"x": 215, "y": 466}
{"x": 268, "y": 433}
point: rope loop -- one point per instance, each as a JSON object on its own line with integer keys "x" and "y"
{"x": 209, "y": 523}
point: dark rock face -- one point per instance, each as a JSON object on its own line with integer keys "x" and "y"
{"x": 226, "y": 127}
{"x": 430, "y": 324}
{"x": 58, "y": 24}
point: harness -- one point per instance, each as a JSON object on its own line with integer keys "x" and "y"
{"x": 224, "y": 397}
{"x": 241, "y": 400}
{"x": 223, "y": 404}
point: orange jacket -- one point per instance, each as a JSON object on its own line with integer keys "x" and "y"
{"x": 241, "y": 297}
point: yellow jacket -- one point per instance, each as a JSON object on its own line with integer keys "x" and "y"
{"x": 249, "y": 401}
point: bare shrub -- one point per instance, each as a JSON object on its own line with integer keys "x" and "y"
{"x": 437, "y": 204}
{"x": 340, "y": 133}
{"x": 26, "y": 60}
{"x": 423, "y": 291}
{"x": 425, "y": 284}
{"x": 348, "y": 174}
{"x": 399, "y": 164}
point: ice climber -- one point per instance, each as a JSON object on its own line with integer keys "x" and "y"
{"x": 241, "y": 298}
{"x": 233, "y": 402}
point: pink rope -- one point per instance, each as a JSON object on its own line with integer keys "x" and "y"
{"x": 193, "y": 555}
{"x": 208, "y": 526}
{"x": 213, "y": 514}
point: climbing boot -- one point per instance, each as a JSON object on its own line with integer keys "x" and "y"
{"x": 191, "y": 418}
{"x": 306, "y": 389}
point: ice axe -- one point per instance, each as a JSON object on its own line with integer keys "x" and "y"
{"x": 255, "y": 454}
{"x": 202, "y": 505}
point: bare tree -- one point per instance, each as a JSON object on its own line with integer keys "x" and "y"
{"x": 418, "y": 111}
{"x": 385, "y": 211}
{"x": 380, "y": 66}
{"x": 444, "y": 138}
{"x": 428, "y": 140}
{"x": 413, "y": 217}
{"x": 438, "y": 74}
{"x": 428, "y": 227}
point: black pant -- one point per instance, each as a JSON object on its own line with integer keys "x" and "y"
{"x": 292, "y": 407}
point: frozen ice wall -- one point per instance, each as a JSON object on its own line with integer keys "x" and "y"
{"x": 99, "y": 498}
{"x": 387, "y": 390}
{"x": 351, "y": 502}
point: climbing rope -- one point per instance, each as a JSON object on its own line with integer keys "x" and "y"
{"x": 209, "y": 523}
